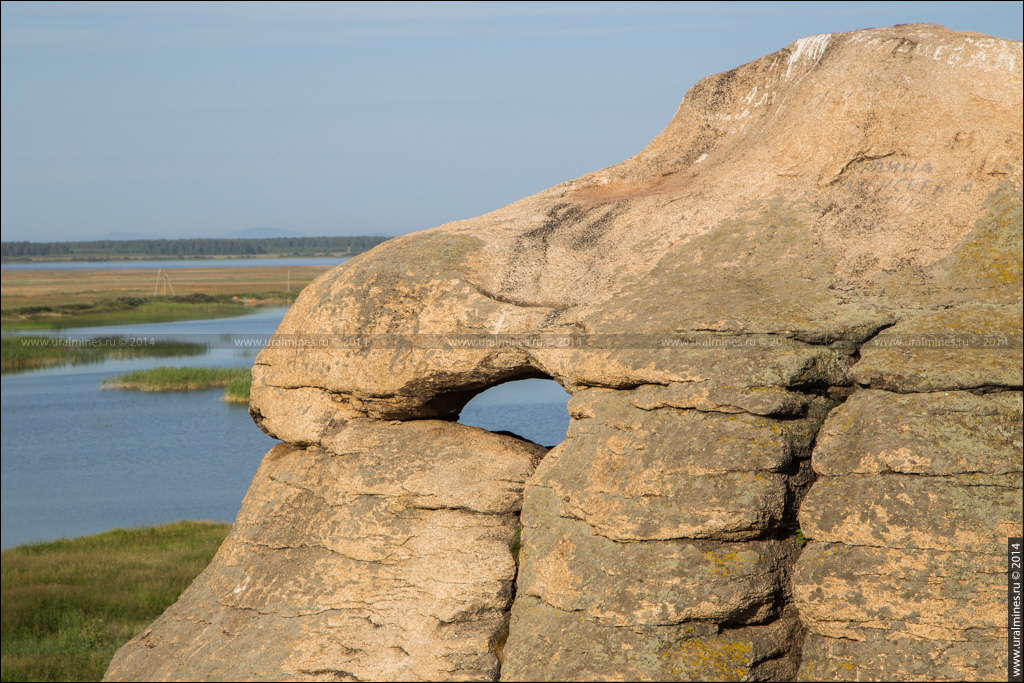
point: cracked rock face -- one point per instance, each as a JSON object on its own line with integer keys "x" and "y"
{"x": 384, "y": 555}
{"x": 798, "y": 307}
{"x": 911, "y": 582}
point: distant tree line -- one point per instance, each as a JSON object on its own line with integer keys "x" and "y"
{"x": 189, "y": 248}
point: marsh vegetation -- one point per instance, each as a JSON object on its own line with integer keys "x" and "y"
{"x": 236, "y": 381}
{"x": 22, "y": 353}
{"x": 69, "y": 604}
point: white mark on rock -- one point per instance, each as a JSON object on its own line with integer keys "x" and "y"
{"x": 812, "y": 48}
{"x": 501, "y": 321}
{"x": 701, "y": 158}
{"x": 242, "y": 586}
{"x": 749, "y": 97}
{"x": 987, "y": 54}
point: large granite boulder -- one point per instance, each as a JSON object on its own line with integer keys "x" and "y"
{"x": 798, "y": 308}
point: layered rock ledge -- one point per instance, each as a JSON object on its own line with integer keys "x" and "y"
{"x": 795, "y": 315}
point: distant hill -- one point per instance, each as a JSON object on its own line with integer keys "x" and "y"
{"x": 128, "y": 236}
{"x": 259, "y": 233}
{"x": 245, "y": 233}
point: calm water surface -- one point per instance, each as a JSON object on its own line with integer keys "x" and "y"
{"x": 79, "y": 460}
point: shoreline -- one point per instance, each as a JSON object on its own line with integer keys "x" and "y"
{"x": 55, "y": 299}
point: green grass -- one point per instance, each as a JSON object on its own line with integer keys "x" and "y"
{"x": 121, "y": 311}
{"x": 20, "y": 354}
{"x": 68, "y": 605}
{"x": 238, "y": 390}
{"x": 237, "y": 382}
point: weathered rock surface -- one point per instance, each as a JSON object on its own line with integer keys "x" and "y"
{"x": 915, "y": 570}
{"x": 384, "y": 555}
{"x": 813, "y": 271}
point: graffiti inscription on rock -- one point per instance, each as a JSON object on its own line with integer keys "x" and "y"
{"x": 905, "y": 183}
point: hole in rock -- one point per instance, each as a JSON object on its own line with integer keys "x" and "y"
{"x": 533, "y": 409}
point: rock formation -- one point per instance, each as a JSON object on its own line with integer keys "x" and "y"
{"x": 798, "y": 308}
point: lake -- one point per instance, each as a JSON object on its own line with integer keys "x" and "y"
{"x": 77, "y": 459}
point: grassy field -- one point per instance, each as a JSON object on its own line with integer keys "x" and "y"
{"x": 68, "y": 605}
{"x": 18, "y": 354}
{"x": 236, "y": 381}
{"x": 55, "y": 299}
{"x": 122, "y": 311}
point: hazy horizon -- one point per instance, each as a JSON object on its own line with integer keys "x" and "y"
{"x": 256, "y": 232}
{"x": 205, "y": 119}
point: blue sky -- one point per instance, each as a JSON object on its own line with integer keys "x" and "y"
{"x": 198, "y": 119}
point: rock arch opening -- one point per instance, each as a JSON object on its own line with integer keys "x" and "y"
{"x": 532, "y": 409}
